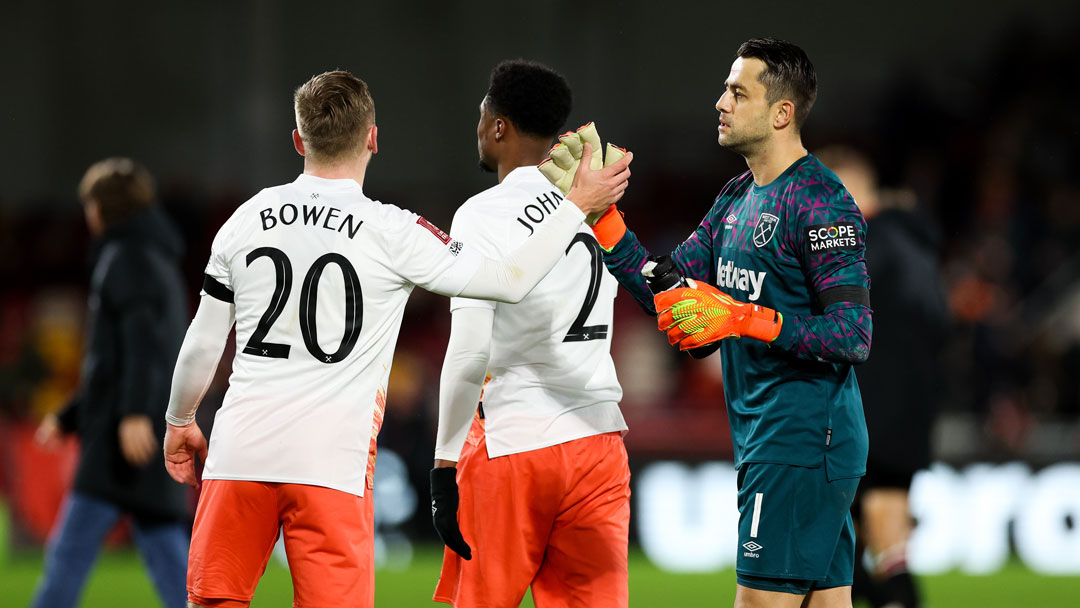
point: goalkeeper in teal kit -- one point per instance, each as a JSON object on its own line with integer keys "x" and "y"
{"x": 776, "y": 272}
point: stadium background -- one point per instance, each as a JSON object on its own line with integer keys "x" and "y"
{"x": 969, "y": 105}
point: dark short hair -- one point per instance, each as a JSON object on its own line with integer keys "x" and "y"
{"x": 120, "y": 187}
{"x": 534, "y": 97}
{"x": 788, "y": 73}
{"x": 334, "y": 110}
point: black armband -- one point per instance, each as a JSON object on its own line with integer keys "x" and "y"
{"x": 213, "y": 288}
{"x": 844, "y": 293}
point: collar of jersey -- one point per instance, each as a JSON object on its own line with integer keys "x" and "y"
{"x": 787, "y": 173}
{"x": 329, "y": 184}
{"x": 526, "y": 173}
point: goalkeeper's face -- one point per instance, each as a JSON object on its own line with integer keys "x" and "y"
{"x": 745, "y": 111}
{"x": 485, "y": 138}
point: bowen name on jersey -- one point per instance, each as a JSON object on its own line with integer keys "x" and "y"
{"x": 331, "y": 218}
{"x": 732, "y": 277}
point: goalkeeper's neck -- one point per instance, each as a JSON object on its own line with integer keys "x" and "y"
{"x": 772, "y": 157}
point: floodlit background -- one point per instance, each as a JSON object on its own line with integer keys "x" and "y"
{"x": 967, "y": 106}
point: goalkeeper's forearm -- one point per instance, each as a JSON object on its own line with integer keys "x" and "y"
{"x": 513, "y": 277}
{"x": 198, "y": 359}
{"x": 462, "y": 379}
{"x": 840, "y": 335}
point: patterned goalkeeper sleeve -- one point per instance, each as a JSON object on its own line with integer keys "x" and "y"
{"x": 830, "y": 238}
{"x": 694, "y": 258}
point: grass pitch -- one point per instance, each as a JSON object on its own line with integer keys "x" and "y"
{"x": 118, "y": 580}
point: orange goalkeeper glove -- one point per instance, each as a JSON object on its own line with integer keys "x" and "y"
{"x": 700, "y": 314}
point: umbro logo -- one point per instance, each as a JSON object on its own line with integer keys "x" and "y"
{"x": 752, "y": 546}
{"x": 731, "y": 219}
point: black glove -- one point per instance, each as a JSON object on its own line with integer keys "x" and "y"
{"x": 444, "y": 506}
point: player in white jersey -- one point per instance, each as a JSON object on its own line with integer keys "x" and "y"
{"x": 540, "y": 468}
{"x": 316, "y": 276}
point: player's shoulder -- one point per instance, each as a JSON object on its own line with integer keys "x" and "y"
{"x": 259, "y": 199}
{"x": 520, "y": 185}
{"x": 737, "y": 185}
{"x": 389, "y": 215}
{"x": 397, "y": 225}
{"x": 505, "y": 200}
{"x": 480, "y": 208}
{"x": 478, "y": 204}
{"x": 814, "y": 180}
{"x": 247, "y": 213}
{"x": 478, "y": 217}
{"x": 734, "y": 189}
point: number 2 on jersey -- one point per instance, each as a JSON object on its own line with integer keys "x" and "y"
{"x": 579, "y": 332}
{"x": 309, "y": 293}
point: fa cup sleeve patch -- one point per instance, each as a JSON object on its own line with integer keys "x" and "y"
{"x": 832, "y": 237}
{"x": 439, "y": 234}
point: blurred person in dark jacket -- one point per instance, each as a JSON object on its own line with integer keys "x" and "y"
{"x": 900, "y": 382}
{"x": 136, "y": 318}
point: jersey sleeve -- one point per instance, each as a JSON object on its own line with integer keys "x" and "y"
{"x": 693, "y": 257}
{"x": 486, "y": 235}
{"x": 426, "y": 256}
{"x": 217, "y": 278}
{"x": 829, "y": 240}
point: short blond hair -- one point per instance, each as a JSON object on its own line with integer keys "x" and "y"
{"x": 119, "y": 186}
{"x": 334, "y": 111}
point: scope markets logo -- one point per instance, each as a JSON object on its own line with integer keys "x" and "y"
{"x": 831, "y": 237}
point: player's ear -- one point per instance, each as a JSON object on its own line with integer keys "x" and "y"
{"x": 373, "y": 139}
{"x": 502, "y": 126}
{"x": 785, "y": 114}
{"x": 297, "y": 142}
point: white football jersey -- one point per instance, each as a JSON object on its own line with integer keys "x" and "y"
{"x": 319, "y": 275}
{"x": 552, "y": 379}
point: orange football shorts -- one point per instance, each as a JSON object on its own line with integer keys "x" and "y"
{"x": 328, "y": 539}
{"x": 555, "y": 518}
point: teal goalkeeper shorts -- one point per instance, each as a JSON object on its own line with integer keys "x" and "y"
{"x": 795, "y": 529}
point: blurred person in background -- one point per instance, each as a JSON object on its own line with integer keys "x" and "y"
{"x": 544, "y": 478}
{"x": 784, "y": 243}
{"x": 901, "y": 382}
{"x": 294, "y": 443}
{"x": 136, "y": 318}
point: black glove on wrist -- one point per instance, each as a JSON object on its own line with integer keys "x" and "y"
{"x": 444, "y": 506}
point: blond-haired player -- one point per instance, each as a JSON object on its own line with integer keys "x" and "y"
{"x": 316, "y": 275}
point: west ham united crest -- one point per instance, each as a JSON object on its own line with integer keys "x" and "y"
{"x": 765, "y": 229}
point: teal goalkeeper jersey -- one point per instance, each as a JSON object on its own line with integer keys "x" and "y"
{"x": 795, "y": 245}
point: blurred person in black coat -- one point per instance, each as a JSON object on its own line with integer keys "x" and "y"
{"x": 901, "y": 381}
{"x": 136, "y": 318}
